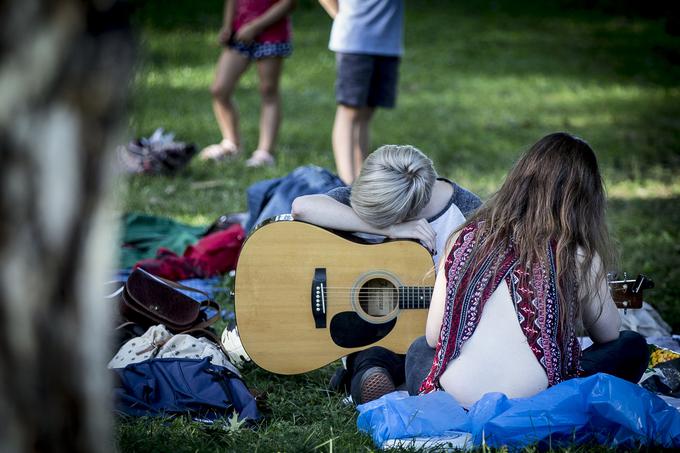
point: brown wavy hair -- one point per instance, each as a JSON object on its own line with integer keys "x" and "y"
{"x": 553, "y": 193}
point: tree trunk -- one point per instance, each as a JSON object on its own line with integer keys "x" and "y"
{"x": 64, "y": 75}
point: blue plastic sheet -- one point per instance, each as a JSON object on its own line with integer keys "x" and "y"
{"x": 599, "y": 408}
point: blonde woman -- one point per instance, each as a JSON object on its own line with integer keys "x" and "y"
{"x": 519, "y": 281}
{"x": 397, "y": 195}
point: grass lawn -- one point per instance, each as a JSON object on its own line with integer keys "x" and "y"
{"x": 479, "y": 83}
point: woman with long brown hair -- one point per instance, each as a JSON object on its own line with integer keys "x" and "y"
{"x": 522, "y": 277}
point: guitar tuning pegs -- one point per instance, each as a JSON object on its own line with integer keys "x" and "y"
{"x": 642, "y": 282}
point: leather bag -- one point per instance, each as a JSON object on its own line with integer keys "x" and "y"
{"x": 148, "y": 300}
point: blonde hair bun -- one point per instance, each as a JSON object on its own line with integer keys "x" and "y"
{"x": 394, "y": 185}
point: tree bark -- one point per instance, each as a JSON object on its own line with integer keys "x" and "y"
{"x": 65, "y": 67}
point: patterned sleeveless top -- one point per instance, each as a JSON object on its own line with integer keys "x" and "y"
{"x": 534, "y": 293}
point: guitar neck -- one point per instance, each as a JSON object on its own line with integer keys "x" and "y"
{"x": 415, "y": 297}
{"x": 623, "y": 293}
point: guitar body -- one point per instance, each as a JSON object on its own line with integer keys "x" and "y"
{"x": 306, "y": 296}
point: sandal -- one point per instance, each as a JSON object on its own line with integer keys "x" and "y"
{"x": 225, "y": 148}
{"x": 260, "y": 158}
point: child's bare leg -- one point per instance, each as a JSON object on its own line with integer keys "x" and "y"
{"x": 269, "y": 72}
{"x": 230, "y": 66}
{"x": 344, "y": 133}
{"x": 362, "y": 138}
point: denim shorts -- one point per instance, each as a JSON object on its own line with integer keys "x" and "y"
{"x": 366, "y": 80}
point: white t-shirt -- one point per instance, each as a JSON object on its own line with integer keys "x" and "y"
{"x": 372, "y": 27}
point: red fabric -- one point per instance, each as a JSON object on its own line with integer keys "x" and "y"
{"x": 247, "y": 10}
{"x": 214, "y": 254}
{"x": 217, "y": 253}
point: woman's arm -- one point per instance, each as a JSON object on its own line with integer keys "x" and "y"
{"x": 600, "y": 315}
{"x": 435, "y": 315}
{"x": 327, "y": 212}
{"x": 256, "y": 26}
{"x": 331, "y": 7}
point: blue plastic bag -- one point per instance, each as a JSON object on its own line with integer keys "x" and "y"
{"x": 600, "y": 408}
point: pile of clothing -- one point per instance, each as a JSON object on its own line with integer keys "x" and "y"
{"x": 165, "y": 374}
{"x": 157, "y": 154}
{"x": 161, "y": 369}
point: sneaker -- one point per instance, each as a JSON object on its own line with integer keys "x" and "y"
{"x": 374, "y": 383}
{"x": 260, "y": 158}
{"x": 222, "y": 150}
{"x": 338, "y": 382}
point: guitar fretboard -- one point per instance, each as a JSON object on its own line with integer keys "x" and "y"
{"x": 415, "y": 297}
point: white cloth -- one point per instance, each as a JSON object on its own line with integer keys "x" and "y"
{"x": 443, "y": 225}
{"x": 158, "y": 343}
{"x": 645, "y": 321}
{"x": 231, "y": 342}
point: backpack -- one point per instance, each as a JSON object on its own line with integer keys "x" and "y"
{"x": 192, "y": 387}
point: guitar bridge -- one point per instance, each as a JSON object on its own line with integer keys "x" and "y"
{"x": 318, "y": 299}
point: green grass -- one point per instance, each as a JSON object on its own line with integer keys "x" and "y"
{"x": 479, "y": 83}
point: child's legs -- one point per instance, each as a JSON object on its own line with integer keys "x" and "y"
{"x": 352, "y": 117}
{"x": 230, "y": 66}
{"x": 345, "y": 130}
{"x": 269, "y": 72}
{"x": 362, "y": 138}
{"x": 382, "y": 92}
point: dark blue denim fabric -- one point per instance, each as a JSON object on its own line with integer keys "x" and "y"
{"x": 274, "y": 197}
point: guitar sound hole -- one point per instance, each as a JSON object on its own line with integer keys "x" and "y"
{"x": 378, "y": 297}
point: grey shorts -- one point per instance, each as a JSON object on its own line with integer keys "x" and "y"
{"x": 366, "y": 80}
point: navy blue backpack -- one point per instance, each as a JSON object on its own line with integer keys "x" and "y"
{"x": 183, "y": 386}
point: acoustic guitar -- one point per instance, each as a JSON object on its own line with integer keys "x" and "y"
{"x": 306, "y": 296}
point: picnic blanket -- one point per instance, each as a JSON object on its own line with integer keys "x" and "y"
{"x": 599, "y": 408}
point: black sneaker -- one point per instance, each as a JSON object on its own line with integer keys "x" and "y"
{"x": 338, "y": 382}
{"x": 374, "y": 383}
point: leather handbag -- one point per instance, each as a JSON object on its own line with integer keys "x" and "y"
{"x": 148, "y": 300}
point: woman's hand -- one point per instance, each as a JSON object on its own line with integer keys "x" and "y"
{"x": 418, "y": 229}
{"x": 247, "y": 33}
{"x": 224, "y": 35}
